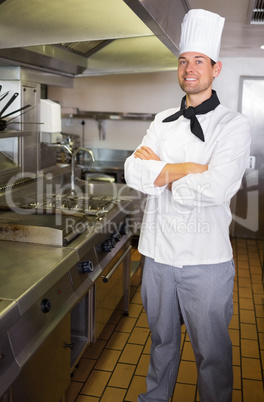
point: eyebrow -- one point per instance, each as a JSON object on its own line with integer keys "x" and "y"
{"x": 196, "y": 57}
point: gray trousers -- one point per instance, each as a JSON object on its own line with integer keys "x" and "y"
{"x": 203, "y": 296}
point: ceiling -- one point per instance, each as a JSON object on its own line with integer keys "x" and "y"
{"x": 94, "y": 37}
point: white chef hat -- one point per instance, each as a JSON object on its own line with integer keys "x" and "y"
{"x": 201, "y": 32}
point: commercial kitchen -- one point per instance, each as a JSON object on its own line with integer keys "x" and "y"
{"x": 80, "y": 82}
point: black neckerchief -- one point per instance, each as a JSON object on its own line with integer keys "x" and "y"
{"x": 190, "y": 113}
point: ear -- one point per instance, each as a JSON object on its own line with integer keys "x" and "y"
{"x": 217, "y": 69}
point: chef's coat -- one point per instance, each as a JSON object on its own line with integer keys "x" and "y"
{"x": 190, "y": 224}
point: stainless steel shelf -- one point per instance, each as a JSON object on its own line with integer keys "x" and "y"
{"x": 110, "y": 116}
{"x": 14, "y": 133}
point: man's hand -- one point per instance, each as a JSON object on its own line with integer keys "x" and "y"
{"x": 146, "y": 153}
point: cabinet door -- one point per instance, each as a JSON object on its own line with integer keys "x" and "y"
{"x": 46, "y": 376}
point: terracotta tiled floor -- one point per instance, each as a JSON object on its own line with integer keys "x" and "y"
{"x": 114, "y": 368}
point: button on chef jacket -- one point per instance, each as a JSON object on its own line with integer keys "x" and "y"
{"x": 190, "y": 224}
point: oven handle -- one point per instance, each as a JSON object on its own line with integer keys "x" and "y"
{"x": 111, "y": 272}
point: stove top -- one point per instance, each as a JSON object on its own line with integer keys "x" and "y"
{"x": 67, "y": 204}
{"x": 55, "y": 220}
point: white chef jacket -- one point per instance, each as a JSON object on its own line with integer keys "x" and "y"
{"x": 190, "y": 224}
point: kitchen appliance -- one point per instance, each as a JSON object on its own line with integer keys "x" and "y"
{"x": 50, "y": 116}
{"x": 87, "y": 272}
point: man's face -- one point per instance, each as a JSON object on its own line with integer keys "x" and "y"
{"x": 196, "y": 73}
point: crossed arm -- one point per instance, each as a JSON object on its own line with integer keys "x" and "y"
{"x": 171, "y": 171}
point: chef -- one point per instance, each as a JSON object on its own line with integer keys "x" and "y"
{"x": 190, "y": 164}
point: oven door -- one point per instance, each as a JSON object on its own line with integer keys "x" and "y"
{"x": 110, "y": 287}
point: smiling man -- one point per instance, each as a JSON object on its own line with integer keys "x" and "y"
{"x": 190, "y": 163}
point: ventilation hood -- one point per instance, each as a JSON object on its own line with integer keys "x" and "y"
{"x": 95, "y": 37}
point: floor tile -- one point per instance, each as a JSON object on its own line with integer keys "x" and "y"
{"x": 94, "y": 350}
{"x": 117, "y": 340}
{"x": 84, "y": 368}
{"x": 246, "y": 304}
{"x": 245, "y": 292}
{"x": 244, "y": 283}
{"x": 139, "y": 336}
{"x": 258, "y": 299}
{"x": 184, "y": 392}
{"x": 131, "y": 354}
{"x": 261, "y": 340}
{"x": 247, "y": 316}
{"x": 236, "y": 355}
{"x": 147, "y": 346}
{"x": 237, "y": 377}
{"x": 234, "y": 335}
{"x": 115, "y": 317}
{"x": 248, "y": 331}
{"x": 107, "y": 360}
{"x": 257, "y": 288}
{"x": 126, "y": 324}
{"x": 237, "y": 396}
{"x": 244, "y": 273}
{"x": 134, "y": 310}
{"x": 251, "y": 369}
{"x": 143, "y": 364}
{"x": 249, "y": 348}
{"x": 107, "y": 331}
{"x": 187, "y": 373}
{"x": 187, "y": 353}
{"x": 96, "y": 383}
{"x": 234, "y": 323}
{"x": 113, "y": 395}
{"x": 260, "y": 324}
{"x": 252, "y": 391}
{"x": 256, "y": 278}
{"x": 137, "y": 298}
{"x": 122, "y": 375}
{"x": 138, "y": 386}
{"x": 142, "y": 320}
{"x": 73, "y": 391}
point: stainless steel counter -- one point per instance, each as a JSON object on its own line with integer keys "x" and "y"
{"x": 29, "y": 270}
{"x": 36, "y": 279}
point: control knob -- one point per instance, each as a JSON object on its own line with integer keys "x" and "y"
{"x": 116, "y": 237}
{"x": 45, "y": 305}
{"x": 85, "y": 267}
{"x": 123, "y": 230}
{"x": 107, "y": 245}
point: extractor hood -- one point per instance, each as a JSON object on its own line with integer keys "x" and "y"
{"x": 95, "y": 37}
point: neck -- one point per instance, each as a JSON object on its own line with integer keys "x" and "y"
{"x": 196, "y": 99}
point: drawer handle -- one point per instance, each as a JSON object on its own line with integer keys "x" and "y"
{"x": 69, "y": 345}
{"x": 111, "y": 272}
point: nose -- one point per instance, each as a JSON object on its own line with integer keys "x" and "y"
{"x": 189, "y": 67}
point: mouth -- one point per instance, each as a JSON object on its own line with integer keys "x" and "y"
{"x": 190, "y": 79}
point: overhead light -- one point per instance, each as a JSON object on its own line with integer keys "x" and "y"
{"x": 262, "y": 47}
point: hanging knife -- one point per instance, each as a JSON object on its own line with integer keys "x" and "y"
{"x": 11, "y": 100}
{"x": 4, "y": 95}
{"x": 15, "y": 111}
